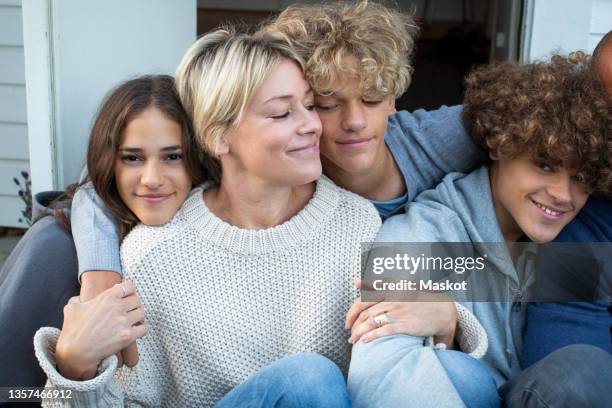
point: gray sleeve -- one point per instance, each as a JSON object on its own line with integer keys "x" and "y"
{"x": 427, "y": 145}
{"x": 424, "y": 221}
{"x": 95, "y": 233}
{"x": 427, "y": 220}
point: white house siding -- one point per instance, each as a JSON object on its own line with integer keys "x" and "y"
{"x": 13, "y": 122}
{"x": 564, "y": 26}
{"x": 601, "y": 21}
{"x": 75, "y": 52}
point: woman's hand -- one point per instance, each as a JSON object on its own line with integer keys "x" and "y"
{"x": 92, "y": 284}
{"x": 432, "y": 318}
{"x": 98, "y": 328}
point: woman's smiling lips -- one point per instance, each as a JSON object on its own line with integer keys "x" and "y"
{"x": 549, "y": 213}
{"x": 354, "y": 143}
{"x": 310, "y": 148}
{"x": 154, "y": 198}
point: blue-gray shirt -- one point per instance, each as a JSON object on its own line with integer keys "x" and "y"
{"x": 460, "y": 209}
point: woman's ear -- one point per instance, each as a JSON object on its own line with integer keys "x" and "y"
{"x": 493, "y": 155}
{"x": 221, "y": 146}
{"x": 217, "y": 141}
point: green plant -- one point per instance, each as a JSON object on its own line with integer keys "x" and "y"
{"x": 25, "y": 193}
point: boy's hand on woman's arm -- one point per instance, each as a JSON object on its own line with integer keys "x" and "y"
{"x": 92, "y": 284}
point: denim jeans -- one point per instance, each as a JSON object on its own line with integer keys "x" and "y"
{"x": 399, "y": 370}
{"x": 579, "y": 375}
{"x": 301, "y": 380}
{"x": 473, "y": 381}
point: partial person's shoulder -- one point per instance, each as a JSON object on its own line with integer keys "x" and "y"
{"x": 44, "y": 244}
{"x": 443, "y": 117}
{"x": 47, "y": 236}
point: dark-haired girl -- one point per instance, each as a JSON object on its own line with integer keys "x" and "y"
{"x": 140, "y": 121}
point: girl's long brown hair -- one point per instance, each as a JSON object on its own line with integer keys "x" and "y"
{"x": 121, "y": 106}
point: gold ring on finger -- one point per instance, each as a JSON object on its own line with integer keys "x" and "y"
{"x": 381, "y": 319}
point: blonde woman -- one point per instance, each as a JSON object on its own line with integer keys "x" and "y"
{"x": 251, "y": 269}
{"x": 357, "y": 62}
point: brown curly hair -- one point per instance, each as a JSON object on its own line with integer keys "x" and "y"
{"x": 327, "y": 35}
{"x": 557, "y": 112}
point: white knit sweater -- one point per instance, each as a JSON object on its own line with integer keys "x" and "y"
{"x": 223, "y": 302}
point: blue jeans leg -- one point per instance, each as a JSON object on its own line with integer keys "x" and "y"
{"x": 387, "y": 373}
{"x": 579, "y": 375}
{"x": 400, "y": 371}
{"x": 301, "y": 380}
{"x": 473, "y": 381}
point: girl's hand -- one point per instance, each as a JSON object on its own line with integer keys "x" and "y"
{"x": 433, "y": 318}
{"x": 92, "y": 284}
{"x": 98, "y": 328}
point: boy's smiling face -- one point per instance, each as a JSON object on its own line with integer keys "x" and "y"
{"x": 354, "y": 125}
{"x": 534, "y": 198}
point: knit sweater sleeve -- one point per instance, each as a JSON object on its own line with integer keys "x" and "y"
{"x": 100, "y": 391}
{"x": 471, "y": 336}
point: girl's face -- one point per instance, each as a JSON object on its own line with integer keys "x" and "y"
{"x": 534, "y": 199}
{"x": 149, "y": 171}
{"x": 277, "y": 140}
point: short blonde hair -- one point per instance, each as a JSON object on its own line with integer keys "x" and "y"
{"x": 220, "y": 74}
{"x": 326, "y": 35}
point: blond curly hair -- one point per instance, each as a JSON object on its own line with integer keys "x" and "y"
{"x": 557, "y": 112}
{"x": 328, "y": 36}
